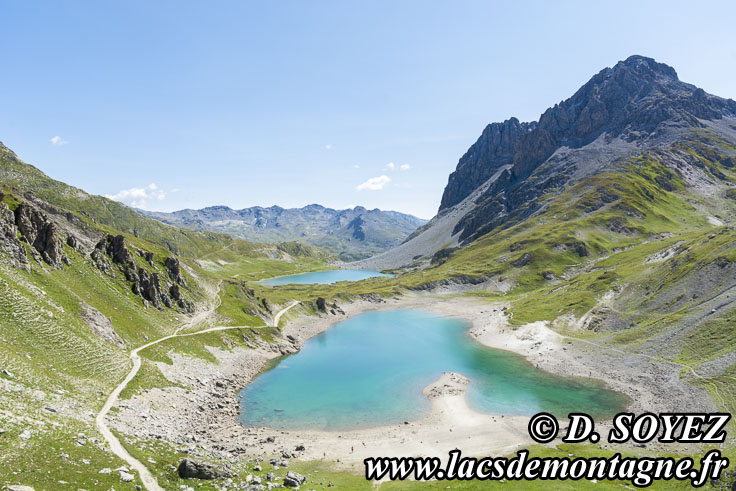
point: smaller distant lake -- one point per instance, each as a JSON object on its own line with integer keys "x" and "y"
{"x": 324, "y": 277}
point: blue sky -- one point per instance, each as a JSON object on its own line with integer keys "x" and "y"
{"x": 173, "y": 105}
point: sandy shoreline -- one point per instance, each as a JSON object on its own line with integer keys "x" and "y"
{"x": 204, "y": 419}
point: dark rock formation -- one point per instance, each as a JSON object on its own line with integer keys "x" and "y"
{"x": 175, "y": 294}
{"x": 442, "y": 255}
{"x": 173, "y": 267}
{"x": 321, "y": 304}
{"x": 525, "y": 259}
{"x": 147, "y": 285}
{"x": 37, "y": 230}
{"x": 101, "y": 261}
{"x": 147, "y": 256}
{"x": 73, "y": 242}
{"x": 9, "y": 242}
{"x": 115, "y": 248}
{"x": 453, "y": 281}
{"x": 191, "y": 469}
{"x": 579, "y": 247}
{"x": 356, "y": 225}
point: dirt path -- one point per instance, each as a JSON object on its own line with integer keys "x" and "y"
{"x": 117, "y": 448}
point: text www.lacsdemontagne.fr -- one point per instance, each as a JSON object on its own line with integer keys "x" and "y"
{"x": 641, "y": 471}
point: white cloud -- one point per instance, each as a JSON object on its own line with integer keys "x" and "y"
{"x": 58, "y": 141}
{"x": 391, "y": 166}
{"x": 374, "y": 183}
{"x": 328, "y": 147}
{"x": 356, "y": 166}
{"x": 405, "y": 167}
{"x": 138, "y": 197}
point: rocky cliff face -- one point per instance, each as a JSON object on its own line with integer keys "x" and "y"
{"x": 39, "y": 232}
{"x": 633, "y": 106}
{"x": 494, "y": 149}
{"x": 9, "y": 242}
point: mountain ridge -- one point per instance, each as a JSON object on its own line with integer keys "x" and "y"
{"x": 351, "y": 233}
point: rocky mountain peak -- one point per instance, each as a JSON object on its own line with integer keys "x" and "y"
{"x": 646, "y": 67}
{"x": 634, "y": 100}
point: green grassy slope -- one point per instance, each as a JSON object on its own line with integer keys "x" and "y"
{"x": 59, "y": 371}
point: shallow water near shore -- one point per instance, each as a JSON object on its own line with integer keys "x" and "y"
{"x": 370, "y": 370}
{"x": 324, "y": 277}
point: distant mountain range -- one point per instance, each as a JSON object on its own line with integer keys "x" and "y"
{"x": 351, "y": 234}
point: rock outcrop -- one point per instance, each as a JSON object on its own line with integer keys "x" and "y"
{"x": 73, "y": 242}
{"x": 100, "y": 325}
{"x": 147, "y": 285}
{"x": 191, "y": 469}
{"x": 9, "y": 242}
{"x": 183, "y": 304}
{"x": 101, "y": 261}
{"x": 173, "y": 267}
{"x": 41, "y": 234}
{"x": 115, "y": 248}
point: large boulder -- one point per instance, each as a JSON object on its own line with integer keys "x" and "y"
{"x": 294, "y": 479}
{"x": 191, "y": 469}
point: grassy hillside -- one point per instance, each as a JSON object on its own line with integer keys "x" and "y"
{"x": 56, "y": 369}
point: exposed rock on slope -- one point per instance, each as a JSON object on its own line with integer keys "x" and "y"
{"x": 40, "y": 233}
{"x": 100, "y": 325}
{"x": 173, "y": 266}
{"x": 9, "y": 242}
{"x": 144, "y": 283}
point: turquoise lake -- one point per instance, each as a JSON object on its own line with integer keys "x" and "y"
{"x": 370, "y": 370}
{"x": 324, "y": 277}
